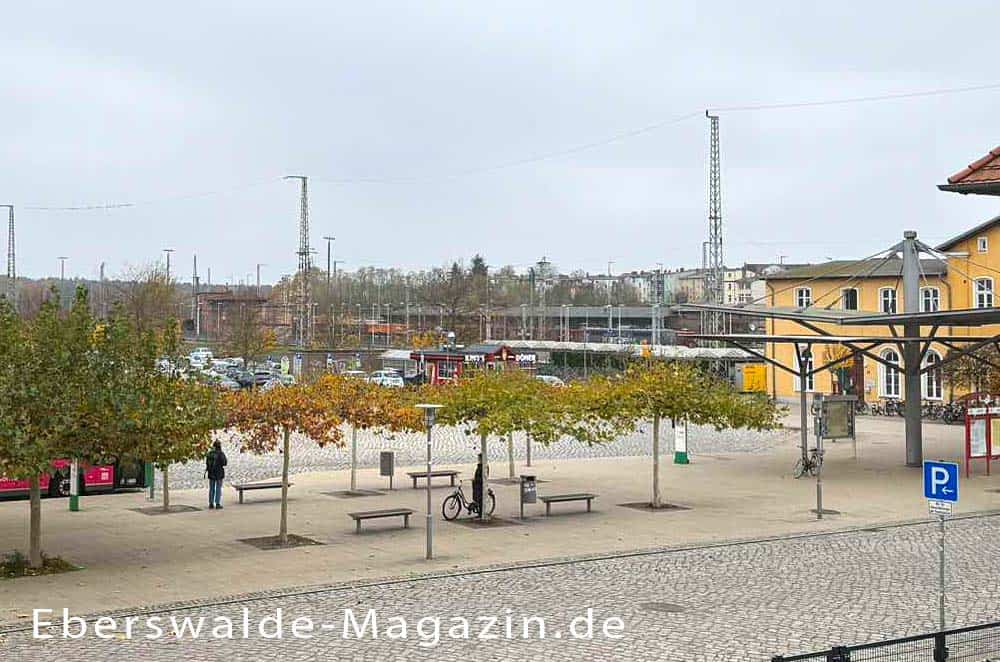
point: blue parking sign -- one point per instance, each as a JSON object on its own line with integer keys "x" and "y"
{"x": 941, "y": 481}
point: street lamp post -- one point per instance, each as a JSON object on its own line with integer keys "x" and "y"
{"x": 167, "y": 252}
{"x": 62, "y": 267}
{"x": 430, "y": 412}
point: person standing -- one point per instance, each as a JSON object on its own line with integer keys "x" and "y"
{"x": 215, "y": 469}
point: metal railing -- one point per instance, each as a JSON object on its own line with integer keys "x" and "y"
{"x": 979, "y": 643}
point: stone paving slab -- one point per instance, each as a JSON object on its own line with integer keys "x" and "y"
{"x": 732, "y": 602}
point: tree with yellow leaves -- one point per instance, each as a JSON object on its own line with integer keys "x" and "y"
{"x": 265, "y": 419}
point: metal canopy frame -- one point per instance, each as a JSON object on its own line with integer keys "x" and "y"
{"x": 905, "y": 334}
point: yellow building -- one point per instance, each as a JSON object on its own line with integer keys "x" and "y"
{"x": 962, "y": 276}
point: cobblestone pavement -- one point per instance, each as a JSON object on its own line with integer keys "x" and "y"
{"x": 736, "y": 602}
{"x": 453, "y": 446}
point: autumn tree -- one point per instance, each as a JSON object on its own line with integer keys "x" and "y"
{"x": 267, "y": 419}
{"x": 366, "y": 406}
{"x": 499, "y": 403}
{"x": 147, "y": 297}
{"x": 673, "y": 391}
{"x": 976, "y": 372}
{"x": 82, "y": 398}
{"x": 246, "y": 336}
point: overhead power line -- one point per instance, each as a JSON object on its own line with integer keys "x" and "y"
{"x": 551, "y": 155}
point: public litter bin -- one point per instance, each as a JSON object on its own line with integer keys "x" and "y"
{"x": 529, "y": 491}
{"x": 387, "y": 465}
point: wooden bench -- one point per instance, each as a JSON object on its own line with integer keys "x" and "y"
{"x": 560, "y": 498}
{"x": 269, "y": 485}
{"x": 376, "y": 514}
{"x": 450, "y": 473}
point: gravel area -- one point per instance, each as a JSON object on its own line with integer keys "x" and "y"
{"x": 454, "y": 446}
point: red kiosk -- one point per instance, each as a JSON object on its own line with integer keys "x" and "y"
{"x": 445, "y": 365}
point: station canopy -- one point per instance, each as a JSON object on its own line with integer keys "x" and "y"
{"x": 672, "y": 352}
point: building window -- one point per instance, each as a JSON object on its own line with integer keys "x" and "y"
{"x": 983, "y": 244}
{"x": 803, "y": 297}
{"x": 810, "y": 379}
{"x": 930, "y": 299}
{"x": 933, "y": 382}
{"x": 891, "y": 380}
{"x": 849, "y": 298}
{"x": 887, "y": 299}
{"x": 984, "y": 293}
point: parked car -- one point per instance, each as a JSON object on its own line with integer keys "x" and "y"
{"x": 386, "y": 378}
{"x": 240, "y": 376}
{"x": 228, "y": 384}
{"x": 262, "y": 376}
{"x": 359, "y": 374}
{"x": 551, "y": 380}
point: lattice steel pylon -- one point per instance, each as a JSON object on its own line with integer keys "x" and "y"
{"x": 304, "y": 304}
{"x": 713, "y": 265}
{"x": 11, "y": 271}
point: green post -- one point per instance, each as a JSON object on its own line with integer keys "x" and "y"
{"x": 150, "y": 481}
{"x": 680, "y": 443}
{"x": 74, "y": 486}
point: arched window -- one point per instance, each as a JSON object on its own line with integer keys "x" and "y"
{"x": 933, "y": 380}
{"x": 891, "y": 382}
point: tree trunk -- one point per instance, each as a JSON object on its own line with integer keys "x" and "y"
{"x": 510, "y": 455}
{"x": 527, "y": 448}
{"x": 354, "y": 458}
{"x": 486, "y": 482}
{"x": 283, "y": 531}
{"x": 655, "y": 503}
{"x": 35, "y": 525}
{"x": 166, "y": 489}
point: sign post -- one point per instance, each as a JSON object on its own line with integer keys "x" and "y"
{"x": 941, "y": 492}
{"x": 680, "y": 442}
{"x": 74, "y": 485}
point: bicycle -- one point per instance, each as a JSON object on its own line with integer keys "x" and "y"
{"x": 810, "y": 465}
{"x": 452, "y": 506}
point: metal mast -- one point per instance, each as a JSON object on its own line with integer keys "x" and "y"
{"x": 712, "y": 257}
{"x": 11, "y": 272}
{"x": 304, "y": 312}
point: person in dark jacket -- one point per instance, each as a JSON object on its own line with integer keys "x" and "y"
{"x": 215, "y": 469}
{"x": 477, "y": 482}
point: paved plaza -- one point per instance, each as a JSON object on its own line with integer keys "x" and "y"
{"x": 731, "y": 602}
{"x": 741, "y": 571}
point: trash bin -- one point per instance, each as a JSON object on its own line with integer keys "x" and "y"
{"x": 529, "y": 491}
{"x": 387, "y": 465}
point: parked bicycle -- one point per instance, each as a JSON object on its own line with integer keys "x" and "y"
{"x": 810, "y": 464}
{"x": 453, "y": 504}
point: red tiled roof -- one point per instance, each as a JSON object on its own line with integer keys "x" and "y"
{"x": 986, "y": 169}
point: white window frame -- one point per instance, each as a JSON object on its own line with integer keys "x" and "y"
{"x": 882, "y": 300}
{"x": 987, "y": 294}
{"x": 803, "y": 294}
{"x": 983, "y": 244}
{"x": 889, "y": 375}
{"x": 857, "y": 298}
{"x": 935, "y": 298}
{"x": 932, "y": 381}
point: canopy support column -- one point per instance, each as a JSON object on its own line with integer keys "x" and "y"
{"x": 911, "y": 351}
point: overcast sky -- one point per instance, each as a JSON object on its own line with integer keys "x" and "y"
{"x": 152, "y": 103}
